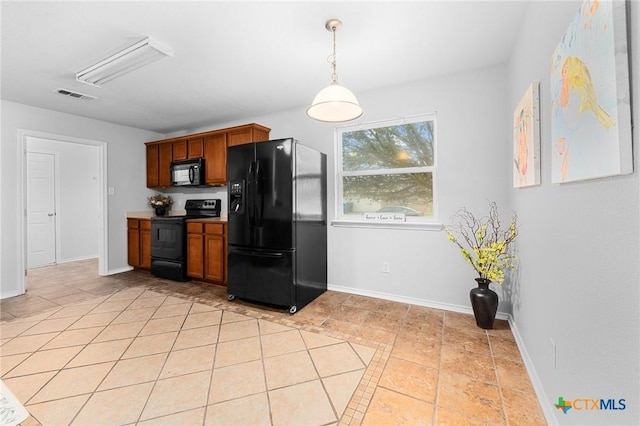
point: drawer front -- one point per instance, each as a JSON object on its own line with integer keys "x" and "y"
{"x": 214, "y": 228}
{"x": 194, "y": 227}
{"x": 132, "y": 223}
{"x": 145, "y": 224}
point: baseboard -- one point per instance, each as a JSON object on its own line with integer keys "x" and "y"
{"x": 76, "y": 259}
{"x": 9, "y": 294}
{"x": 547, "y": 409}
{"x": 411, "y": 300}
{"x": 119, "y": 270}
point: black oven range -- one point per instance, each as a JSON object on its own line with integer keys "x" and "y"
{"x": 169, "y": 239}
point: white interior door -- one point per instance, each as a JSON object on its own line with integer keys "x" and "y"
{"x": 41, "y": 212}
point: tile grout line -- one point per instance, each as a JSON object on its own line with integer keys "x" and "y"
{"x": 213, "y": 364}
{"x": 495, "y": 369}
{"x": 58, "y": 370}
{"x": 264, "y": 374}
{"x": 324, "y": 388}
{"x": 155, "y": 382}
{"x": 41, "y": 349}
{"x": 82, "y": 407}
{"x": 434, "y": 418}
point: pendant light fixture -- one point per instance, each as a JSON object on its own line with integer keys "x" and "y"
{"x": 334, "y": 103}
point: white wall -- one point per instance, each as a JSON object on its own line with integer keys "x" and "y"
{"x": 579, "y": 243}
{"x": 126, "y": 173}
{"x": 473, "y": 130}
{"x": 580, "y": 252}
{"x": 78, "y": 199}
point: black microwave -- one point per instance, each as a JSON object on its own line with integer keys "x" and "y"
{"x": 187, "y": 172}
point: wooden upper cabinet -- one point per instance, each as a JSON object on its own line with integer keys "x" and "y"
{"x": 152, "y": 166}
{"x": 247, "y": 134}
{"x": 240, "y": 137}
{"x": 164, "y": 164}
{"x": 215, "y": 159}
{"x": 179, "y": 150}
{"x": 195, "y": 148}
{"x": 212, "y": 146}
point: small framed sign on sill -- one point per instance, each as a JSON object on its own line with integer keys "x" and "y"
{"x": 385, "y": 217}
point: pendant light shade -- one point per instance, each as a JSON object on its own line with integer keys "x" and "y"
{"x": 334, "y": 103}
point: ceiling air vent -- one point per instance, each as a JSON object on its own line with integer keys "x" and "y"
{"x": 76, "y": 95}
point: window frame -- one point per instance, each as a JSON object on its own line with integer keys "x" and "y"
{"x": 416, "y": 223}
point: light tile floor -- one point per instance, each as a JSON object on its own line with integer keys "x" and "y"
{"x": 134, "y": 349}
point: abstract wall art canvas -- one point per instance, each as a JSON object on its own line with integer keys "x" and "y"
{"x": 590, "y": 101}
{"x": 526, "y": 139}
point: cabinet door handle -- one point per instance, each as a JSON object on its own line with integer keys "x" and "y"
{"x": 50, "y": 214}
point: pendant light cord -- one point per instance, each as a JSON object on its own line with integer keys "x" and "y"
{"x": 332, "y": 58}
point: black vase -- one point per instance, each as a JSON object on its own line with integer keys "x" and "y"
{"x": 484, "y": 302}
{"x": 161, "y": 211}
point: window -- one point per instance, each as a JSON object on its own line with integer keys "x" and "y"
{"x": 387, "y": 172}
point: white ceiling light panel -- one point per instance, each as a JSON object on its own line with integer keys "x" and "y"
{"x": 133, "y": 57}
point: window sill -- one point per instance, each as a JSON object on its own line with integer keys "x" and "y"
{"x": 414, "y": 226}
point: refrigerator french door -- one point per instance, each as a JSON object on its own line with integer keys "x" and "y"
{"x": 277, "y": 219}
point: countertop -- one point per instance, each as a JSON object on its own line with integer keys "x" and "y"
{"x": 149, "y": 214}
{"x": 222, "y": 218}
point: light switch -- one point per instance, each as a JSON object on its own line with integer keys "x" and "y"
{"x": 111, "y": 190}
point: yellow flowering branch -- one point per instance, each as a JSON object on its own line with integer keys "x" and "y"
{"x": 483, "y": 242}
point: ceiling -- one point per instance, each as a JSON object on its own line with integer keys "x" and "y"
{"x": 237, "y": 59}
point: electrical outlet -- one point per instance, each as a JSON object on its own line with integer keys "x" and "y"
{"x": 553, "y": 353}
{"x": 386, "y": 267}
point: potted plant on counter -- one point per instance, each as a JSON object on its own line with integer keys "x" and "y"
{"x": 484, "y": 243}
{"x": 160, "y": 202}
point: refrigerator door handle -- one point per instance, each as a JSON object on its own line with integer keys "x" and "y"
{"x": 258, "y": 254}
{"x": 259, "y": 195}
{"x": 249, "y": 194}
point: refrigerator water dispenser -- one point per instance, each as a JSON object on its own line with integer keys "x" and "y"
{"x": 236, "y": 197}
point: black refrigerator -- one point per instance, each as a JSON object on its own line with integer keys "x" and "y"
{"x": 277, "y": 223}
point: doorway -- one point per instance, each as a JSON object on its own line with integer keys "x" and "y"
{"x": 69, "y": 243}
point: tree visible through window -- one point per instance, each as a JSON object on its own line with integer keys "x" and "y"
{"x": 390, "y": 168}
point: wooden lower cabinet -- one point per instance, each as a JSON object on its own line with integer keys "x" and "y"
{"x": 215, "y": 257}
{"x": 207, "y": 251}
{"x": 139, "y": 243}
{"x": 195, "y": 251}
